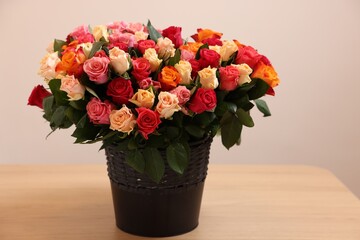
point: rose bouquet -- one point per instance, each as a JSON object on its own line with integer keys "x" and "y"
{"x": 142, "y": 89}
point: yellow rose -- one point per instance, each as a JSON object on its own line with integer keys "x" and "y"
{"x": 167, "y": 105}
{"x": 151, "y": 55}
{"x": 48, "y": 66}
{"x": 227, "y": 49}
{"x": 208, "y": 78}
{"x": 100, "y": 31}
{"x": 122, "y": 120}
{"x": 166, "y": 48}
{"x": 184, "y": 68}
{"x": 143, "y": 98}
{"x": 119, "y": 60}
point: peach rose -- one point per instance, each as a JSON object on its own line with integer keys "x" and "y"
{"x": 48, "y": 66}
{"x": 151, "y": 55}
{"x": 119, "y": 60}
{"x": 227, "y": 49}
{"x": 208, "y": 78}
{"x": 73, "y": 88}
{"x": 122, "y": 120}
{"x": 167, "y": 105}
{"x": 100, "y": 31}
{"x": 166, "y": 48}
{"x": 266, "y": 73}
{"x": 184, "y": 68}
{"x": 143, "y": 98}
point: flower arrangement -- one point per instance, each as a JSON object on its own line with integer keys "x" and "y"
{"x": 144, "y": 89}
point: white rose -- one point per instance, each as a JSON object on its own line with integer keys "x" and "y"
{"x": 184, "y": 68}
{"x": 227, "y": 49}
{"x": 151, "y": 55}
{"x": 208, "y": 78}
{"x": 48, "y": 66}
{"x": 168, "y": 104}
{"x": 100, "y": 31}
{"x": 166, "y": 48}
{"x": 119, "y": 60}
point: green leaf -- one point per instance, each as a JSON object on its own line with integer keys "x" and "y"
{"x": 175, "y": 59}
{"x": 205, "y": 118}
{"x": 244, "y": 103}
{"x": 87, "y": 133}
{"x": 197, "y": 56}
{"x": 58, "y": 116}
{"x": 58, "y": 44}
{"x": 135, "y": 159}
{"x": 61, "y": 97}
{"x": 240, "y": 91}
{"x": 244, "y": 118}
{"x": 48, "y": 103}
{"x": 224, "y": 106}
{"x": 263, "y": 107}
{"x": 230, "y": 129}
{"x": 154, "y": 164}
{"x": 96, "y": 47}
{"x": 154, "y": 34}
{"x": 82, "y": 122}
{"x": 78, "y": 105}
{"x": 92, "y": 92}
{"x": 195, "y": 131}
{"x": 177, "y": 157}
{"x": 230, "y": 61}
{"x": 258, "y": 90}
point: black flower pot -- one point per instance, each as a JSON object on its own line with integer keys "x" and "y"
{"x": 143, "y": 207}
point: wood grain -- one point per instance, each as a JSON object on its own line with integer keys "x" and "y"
{"x": 267, "y": 202}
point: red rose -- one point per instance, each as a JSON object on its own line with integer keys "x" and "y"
{"x": 249, "y": 56}
{"x": 203, "y": 100}
{"x": 145, "y": 44}
{"x": 37, "y": 96}
{"x": 98, "y": 111}
{"x": 229, "y": 77}
{"x": 213, "y": 41}
{"x": 195, "y": 67}
{"x": 174, "y": 34}
{"x": 141, "y": 68}
{"x": 120, "y": 90}
{"x": 147, "y": 121}
{"x": 209, "y": 58}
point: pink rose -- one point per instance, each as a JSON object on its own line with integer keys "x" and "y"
{"x": 147, "y": 82}
{"x": 249, "y": 56}
{"x": 145, "y": 44}
{"x": 135, "y": 27}
{"x": 125, "y": 38}
{"x": 82, "y": 34}
{"x": 229, "y": 77}
{"x": 182, "y": 93}
{"x": 141, "y": 68}
{"x": 98, "y": 111}
{"x": 186, "y": 55}
{"x": 37, "y": 96}
{"x": 97, "y": 69}
{"x": 203, "y": 100}
{"x": 120, "y": 90}
{"x": 209, "y": 58}
{"x": 174, "y": 34}
{"x": 147, "y": 121}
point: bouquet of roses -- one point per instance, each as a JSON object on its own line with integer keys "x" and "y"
{"x": 143, "y": 89}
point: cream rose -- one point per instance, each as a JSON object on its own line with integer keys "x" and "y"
{"x": 143, "y": 98}
{"x": 100, "y": 31}
{"x": 48, "y": 65}
{"x": 208, "y": 78}
{"x": 167, "y": 105}
{"x": 184, "y": 68}
{"x": 122, "y": 120}
{"x": 227, "y": 49}
{"x": 166, "y": 48}
{"x": 119, "y": 60}
{"x": 151, "y": 55}
{"x": 73, "y": 88}
{"x": 140, "y": 35}
{"x": 215, "y": 48}
{"x": 86, "y": 47}
{"x": 245, "y": 71}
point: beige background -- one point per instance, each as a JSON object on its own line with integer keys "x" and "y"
{"x": 314, "y": 46}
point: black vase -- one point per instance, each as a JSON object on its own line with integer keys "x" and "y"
{"x": 143, "y": 207}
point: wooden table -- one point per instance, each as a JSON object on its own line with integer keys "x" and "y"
{"x": 267, "y": 202}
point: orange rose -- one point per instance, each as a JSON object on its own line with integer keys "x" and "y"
{"x": 266, "y": 73}
{"x": 71, "y": 61}
{"x": 205, "y": 34}
{"x": 192, "y": 46}
{"x": 169, "y": 78}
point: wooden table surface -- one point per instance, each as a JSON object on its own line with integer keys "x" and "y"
{"x": 250, "y": 202}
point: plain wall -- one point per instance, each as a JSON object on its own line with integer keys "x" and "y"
{"x": 314, "y": 46}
